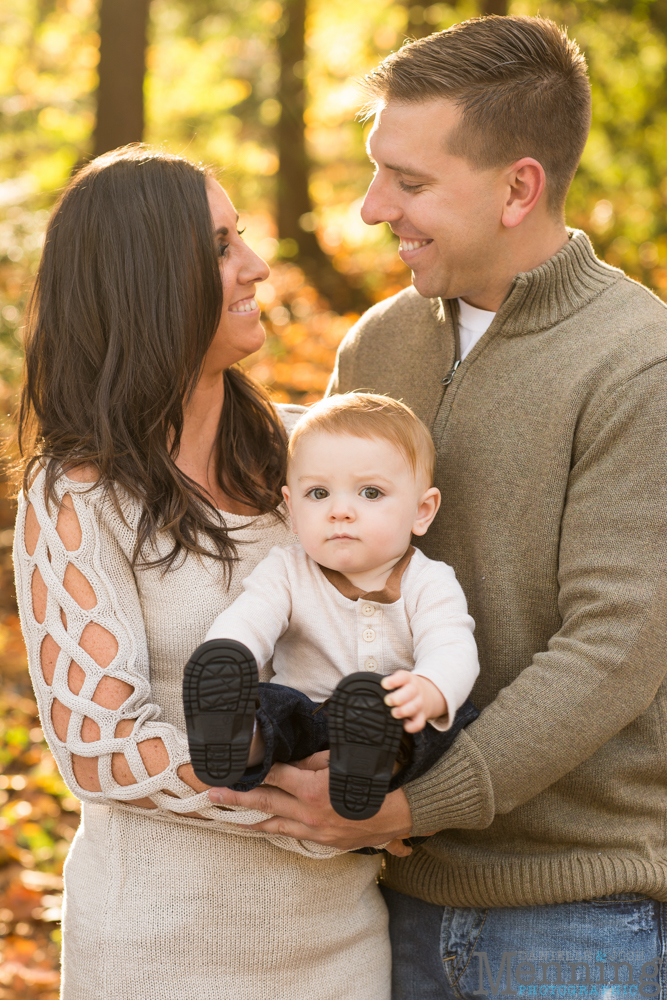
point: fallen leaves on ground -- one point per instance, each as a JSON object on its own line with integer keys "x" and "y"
{"x": 38, "y": 820}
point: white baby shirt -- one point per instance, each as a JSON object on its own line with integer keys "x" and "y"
{"x": 298, "y": 613}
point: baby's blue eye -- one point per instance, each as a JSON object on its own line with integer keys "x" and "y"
{"x": 371, "y": 493}
{"x": 318, "y": 493}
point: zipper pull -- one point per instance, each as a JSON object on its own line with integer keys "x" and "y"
{"x": 450, "y": 374}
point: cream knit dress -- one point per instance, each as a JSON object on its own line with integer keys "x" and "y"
{"x": 159, "y": 906}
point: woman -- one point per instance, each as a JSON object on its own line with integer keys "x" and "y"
{"x": 152, "y": 482}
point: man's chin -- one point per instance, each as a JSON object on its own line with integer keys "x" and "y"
{"x": 428, "y": 286}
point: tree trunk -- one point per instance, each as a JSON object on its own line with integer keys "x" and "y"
{"x": 120, "y": 94}
{"x": 657, "y": 11}
{"x": 494, "y": 7}
{"x": 293, "y": 197}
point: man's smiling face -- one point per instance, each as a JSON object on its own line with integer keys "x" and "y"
{"x": 446, "y": 213}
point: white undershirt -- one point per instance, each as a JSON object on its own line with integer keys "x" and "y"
{"x": 473, "y": 324}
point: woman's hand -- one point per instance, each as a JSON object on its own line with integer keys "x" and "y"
{"x": 297, "y": 797}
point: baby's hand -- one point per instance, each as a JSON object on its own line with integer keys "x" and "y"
{"x": 413, "y": 698}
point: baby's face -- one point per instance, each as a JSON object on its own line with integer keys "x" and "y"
{"x": 355, "y": 502}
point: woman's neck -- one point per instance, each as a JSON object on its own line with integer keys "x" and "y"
{"x": 197, "y": 453}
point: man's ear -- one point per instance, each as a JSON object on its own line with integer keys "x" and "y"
{"x": 429, "y": 504}
{"x": 526, "y": 182}
{"x": 288, "y": 500}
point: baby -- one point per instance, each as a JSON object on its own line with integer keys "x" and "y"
{"x": 369, "y": 637}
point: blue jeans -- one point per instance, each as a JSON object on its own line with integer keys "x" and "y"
{"x": 606, "y": 948}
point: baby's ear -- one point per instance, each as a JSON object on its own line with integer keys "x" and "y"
{"x": 427, "y": 508}
{"x": 288, "y": 500}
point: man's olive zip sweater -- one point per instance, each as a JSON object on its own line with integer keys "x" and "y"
{"x": 552, "y": 461}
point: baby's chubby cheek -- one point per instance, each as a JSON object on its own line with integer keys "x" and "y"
{"x": 312, "y": 535}
{"x": 386, "y": 535}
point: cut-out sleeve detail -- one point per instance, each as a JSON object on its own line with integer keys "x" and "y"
{"x": 97, "y": 712}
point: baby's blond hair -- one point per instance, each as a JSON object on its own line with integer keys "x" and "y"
{"x": 366, "y": 415}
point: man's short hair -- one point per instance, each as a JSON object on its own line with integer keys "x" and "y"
{"x": 366, "y": 415}
{"x": 520, "y": 82}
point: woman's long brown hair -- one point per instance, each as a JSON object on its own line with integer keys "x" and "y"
{"x": 127, "y": 300}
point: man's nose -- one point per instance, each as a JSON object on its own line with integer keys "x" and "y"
{"x": 378, "y": 206}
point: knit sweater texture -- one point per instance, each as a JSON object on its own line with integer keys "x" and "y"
{"x": 551, "y": 439}
{"x": 174, "y": 900}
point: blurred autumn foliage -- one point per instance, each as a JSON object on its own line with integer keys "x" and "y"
{"x": 218, "y": 85}
{"x": 38, "y": 815}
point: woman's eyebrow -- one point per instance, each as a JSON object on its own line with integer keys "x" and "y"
{"x": 223, "y": 230}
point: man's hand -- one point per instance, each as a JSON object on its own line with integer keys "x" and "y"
{"x": 298, "y": 799}
{"x": 413, "y": 698}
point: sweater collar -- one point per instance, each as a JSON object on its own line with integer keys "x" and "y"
{"x": 389, "y": 594}
{"x": 555, "y": 290}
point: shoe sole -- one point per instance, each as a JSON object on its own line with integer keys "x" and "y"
{"x": 364, "y": 740}
{"x": 219, "y": 697}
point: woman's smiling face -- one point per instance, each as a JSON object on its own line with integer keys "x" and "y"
{"x": 239, "y": 332}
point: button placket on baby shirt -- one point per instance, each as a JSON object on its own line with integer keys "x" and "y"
{"x": 369, "y": 636}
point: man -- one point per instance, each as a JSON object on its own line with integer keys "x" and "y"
{"x": 542, "y": 373}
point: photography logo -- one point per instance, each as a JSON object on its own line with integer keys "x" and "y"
{"x": 593, "y": 975}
